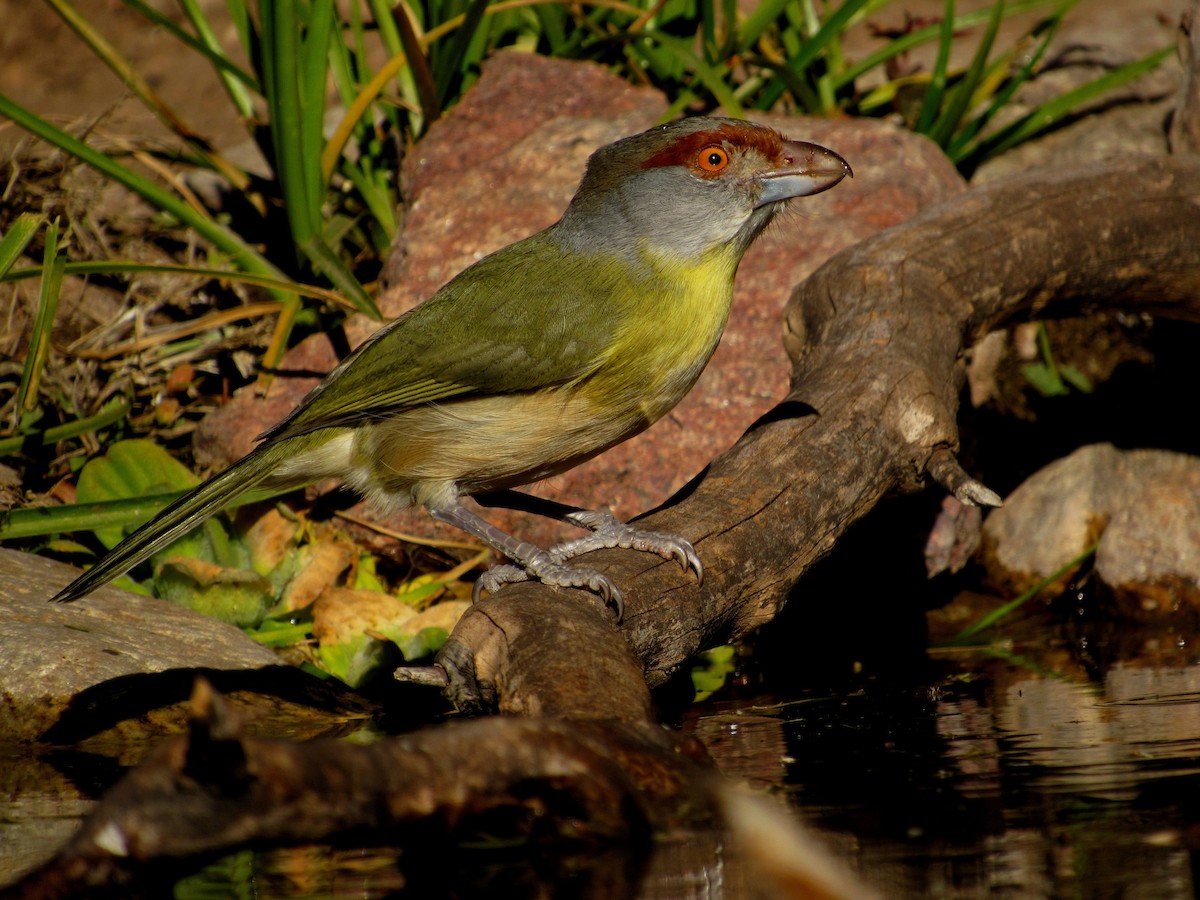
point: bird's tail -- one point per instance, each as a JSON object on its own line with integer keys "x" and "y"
{"x": 176, "y": 520}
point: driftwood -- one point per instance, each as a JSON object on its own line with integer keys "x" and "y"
{"x": 877, "y": 338}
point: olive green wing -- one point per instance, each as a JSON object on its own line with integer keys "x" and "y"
{"x": 528, "y": 317}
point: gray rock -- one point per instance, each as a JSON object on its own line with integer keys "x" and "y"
{"x": 1141, "y": 506}
{"x": 52, "y": 653}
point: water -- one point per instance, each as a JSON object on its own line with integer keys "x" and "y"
{"x": 1057, "y": 764}
{"x": 1060, "y": 761}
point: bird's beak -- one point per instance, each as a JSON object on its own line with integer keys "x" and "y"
{"x": 809, "y": 169}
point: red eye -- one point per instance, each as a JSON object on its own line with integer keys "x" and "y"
{"x": 712, "y": 159}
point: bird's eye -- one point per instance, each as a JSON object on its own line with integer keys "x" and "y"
{"x": 712, "y": 159}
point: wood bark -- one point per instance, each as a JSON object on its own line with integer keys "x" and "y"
{"x": 1184, "y": 132}
{"x": 877, "y": 338}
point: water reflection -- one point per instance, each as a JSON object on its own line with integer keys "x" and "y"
{"x": 1021, "y": 773}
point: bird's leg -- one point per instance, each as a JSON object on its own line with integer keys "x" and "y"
{"x": 608, "y": 532}
{"x": 531, "y": 561}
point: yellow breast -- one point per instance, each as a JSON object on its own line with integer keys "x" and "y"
{"x": 664, "y": 345}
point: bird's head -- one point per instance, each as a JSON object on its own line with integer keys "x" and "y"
{"x": 693, "y": 185}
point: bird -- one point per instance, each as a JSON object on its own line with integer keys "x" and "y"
{"x": 535, "y": 358}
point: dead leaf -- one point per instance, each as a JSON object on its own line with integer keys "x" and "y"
{"x": 317, "y": 571}
{"x": 342, "y": 614}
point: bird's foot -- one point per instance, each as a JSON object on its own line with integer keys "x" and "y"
{"x": 544, "y": 567}
{"x": 608, "y": 533}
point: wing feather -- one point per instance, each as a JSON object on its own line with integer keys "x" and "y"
{"x": 500, "y": 327}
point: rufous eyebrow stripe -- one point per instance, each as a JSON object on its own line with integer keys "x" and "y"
{"x": 683, "y": 152}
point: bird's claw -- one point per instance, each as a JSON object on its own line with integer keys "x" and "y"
{"x": 554, "y": 573}
{"x": 609, "y": 533}
{"x": 495, "y": 578}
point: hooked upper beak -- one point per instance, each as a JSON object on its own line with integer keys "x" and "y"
{"x": 810, "y": 169}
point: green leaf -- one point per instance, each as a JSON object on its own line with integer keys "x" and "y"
{"x": 419, "y": 590}
{"x": 236, "y": 596}
{"x": 136, "y": 468}
{"x": 281, "y": 632}
{"x": 424, "y": 643}
{"x": 356, "y": 660}
{"x": 712, "y": 669}
{"x": 1044, "y": 379}
{"x": 365, "y": 577}
{"x": 1076, "y": 379}
{"x": 131, "y": 468}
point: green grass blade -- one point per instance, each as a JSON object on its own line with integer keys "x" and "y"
{"x": 786, "y": 80}
{"x": 248, "y": 36}
{"x": 238, "y": 83}
{"x": 761, "y": 18}
{"x": 964, "y": 143}
{"x": 682, "y": 59}
{"x": 281, "y": 83}
{"x": 950, "y": 119}
{"x": 828, "y": 32}
{"x": 1063, "y": 105}
{"x": 121, "y": 67}
{"x": 329, "y": 264}
{"x": 113, "y": 411}
{"x": 356, "y": 109}
{"x": 314, "y": 72}
{"x": 276, "y": 285}
{"x": 386, "y": 26}
{"x": 988, "y": 620}
{"x": 132, "y": 79}
{"x": 452, "y": 63}
{"x": 43, "y": 323}
{"x": 932, "y": 102}
{"x": 915, "y": 39}
{"x": 552, "y": 27}
{"x": 40, "y": 521}
{"x": 376, "y": 191}
{"x": 794, "y": 76}
{"x": 388, "y": 29}
{"x": 347, "y": 56}
{"x": 707, "y": 11}
{"x": 13, "y": 244}
{"x": 221, "y": 237}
